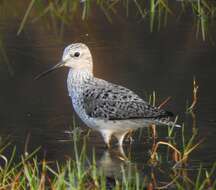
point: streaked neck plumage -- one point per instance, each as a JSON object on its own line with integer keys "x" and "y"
{"x": 77, "y": 79}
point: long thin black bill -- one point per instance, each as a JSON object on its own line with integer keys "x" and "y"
{"x": 60, "y": 64}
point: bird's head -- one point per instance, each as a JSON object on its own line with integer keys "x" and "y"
{"x": 77, "y": 56}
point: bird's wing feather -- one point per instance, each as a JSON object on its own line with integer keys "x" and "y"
{"x": 114, "y": 102}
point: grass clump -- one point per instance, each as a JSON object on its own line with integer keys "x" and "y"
{"x": 81, "y": 173}
{"x": 156, "y": 11}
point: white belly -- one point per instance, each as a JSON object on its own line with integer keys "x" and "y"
{"x": 114, "y": 126}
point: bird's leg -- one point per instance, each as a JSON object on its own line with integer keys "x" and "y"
{"x": 121, "y": 139}
{"x": 129, "y": 136}
{"x": 107, "y": 141}
{"x": 106, "y": 136}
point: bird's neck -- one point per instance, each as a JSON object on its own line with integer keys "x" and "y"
{"x": 78, "y": 78}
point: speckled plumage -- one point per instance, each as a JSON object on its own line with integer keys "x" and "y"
{"x": 106, "y": 107}
{"x": 113, "y": 102}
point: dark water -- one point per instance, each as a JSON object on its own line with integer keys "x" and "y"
{"x": 124, "y": 52}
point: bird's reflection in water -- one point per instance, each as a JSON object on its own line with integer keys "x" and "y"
{"x": 111, "y": 164}
{"x": 114, "y": 167}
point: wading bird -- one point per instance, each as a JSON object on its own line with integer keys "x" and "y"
{"x": 103, "y": 106}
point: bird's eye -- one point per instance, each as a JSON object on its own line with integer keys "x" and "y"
{"x": 76, "y": 54}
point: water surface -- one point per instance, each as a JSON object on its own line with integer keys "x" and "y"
{"x": 124, "y": 52}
